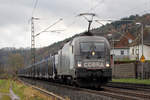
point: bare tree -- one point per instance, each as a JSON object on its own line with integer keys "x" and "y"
{"x": 15, "y": 62}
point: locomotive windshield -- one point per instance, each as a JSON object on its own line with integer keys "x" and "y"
{"x": 92, "y": 49}
{"x": 92, "y": 46}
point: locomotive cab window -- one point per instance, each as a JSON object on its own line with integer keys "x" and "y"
{"x": 91, "y": 46}
{"x": 92, "y": 49}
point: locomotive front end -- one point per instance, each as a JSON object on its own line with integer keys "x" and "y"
{"x": 93, "y": 63}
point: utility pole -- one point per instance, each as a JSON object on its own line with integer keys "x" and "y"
{"x": 142, "y": 59}
{"x": 33, "y": 36}
{"x": 33, "y": 40}
{"x": 142, "y": 37}
{"x": 142, "y": 51}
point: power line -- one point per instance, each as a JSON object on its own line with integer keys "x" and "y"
{"x": 71, "y": 24}
{"x": 34, "y": 7}
{"x": 135, "y": 8}
{"x": 94, "y": 7}
{"x": 49, "y": 27}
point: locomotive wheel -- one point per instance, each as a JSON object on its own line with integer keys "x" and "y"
{"x": 97, "y": 86}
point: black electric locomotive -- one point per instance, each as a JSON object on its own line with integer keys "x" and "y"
{"x": 84, "y": 61}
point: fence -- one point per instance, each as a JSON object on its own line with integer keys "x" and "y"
{"x": 131, "y": 70}
{"x": 146, "y": 70}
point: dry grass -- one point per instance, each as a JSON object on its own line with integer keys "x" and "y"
{"x": 4, "y": 86}
{"x": 28, "y": 93}
{"x": 23, "y": 91}
{"x": 32, "y": 94}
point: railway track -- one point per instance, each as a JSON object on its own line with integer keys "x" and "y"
{"x": 105, "y": 93}
{"x": 141, "y": 95}
{"x": 130, "y": 86}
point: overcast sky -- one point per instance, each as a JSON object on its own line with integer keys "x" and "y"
{"x": 15, "y": 15}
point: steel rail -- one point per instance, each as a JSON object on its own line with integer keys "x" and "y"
{"x": 129, "y": 86}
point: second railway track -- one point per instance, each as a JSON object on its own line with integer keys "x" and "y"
{"x": 130, "y": 86}
{"x": 141, "y": 95}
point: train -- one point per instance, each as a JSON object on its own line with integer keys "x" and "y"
{"x": 83, "y": 61}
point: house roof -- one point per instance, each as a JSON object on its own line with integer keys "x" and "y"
{"x": 124, "y": 41}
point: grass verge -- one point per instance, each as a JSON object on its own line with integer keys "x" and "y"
{"x": 21, "y": 90}
{"x": 27, "y": 93}
{"x": 131, "y": 80}
{"x": 5, "y": 97}
{"x": 4, "y": 86}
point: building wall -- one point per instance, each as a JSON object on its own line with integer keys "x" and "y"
{"x": 117, "y": 54}
{"x": 136, "y": 52}
{"x": 117, "y": 51}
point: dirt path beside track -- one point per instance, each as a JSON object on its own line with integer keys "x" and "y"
{"x": 12, "y": 95}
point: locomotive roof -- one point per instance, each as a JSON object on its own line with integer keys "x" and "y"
{"x": 91, "y": 38}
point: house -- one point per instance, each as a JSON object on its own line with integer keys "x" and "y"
{"x": 135, "y": 51}
{"x": 128, "y": 47}
{"x": 120, "y": 48}
{"x": 136, "y": 48}
{"x": 120, "y": 53}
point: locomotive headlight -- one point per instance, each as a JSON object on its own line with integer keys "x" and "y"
{"x": 93, "y": 53}
{"x": 79, "y": 64}
{"x": 107, "y": 64}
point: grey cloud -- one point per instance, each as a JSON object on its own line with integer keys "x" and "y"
{"x": 17, "y": 13}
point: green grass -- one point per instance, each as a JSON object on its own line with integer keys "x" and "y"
{"x": 148, "y": 60}
{"x": 37, "y": 98}
{"x": 18, "y": 89}
{"x": 4, "y": 86}
{"x": 5, "y": 97}
{"x": 137, "y": 81}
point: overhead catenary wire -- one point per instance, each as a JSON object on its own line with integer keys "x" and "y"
{"x": 135, "y": 8}
{"x": 34, "y": 7}
{"x": 95, "y": 6}
{"x": 49, "y": 27}
{"x": 60, "y": 30}
{"x": 113, "y": 20}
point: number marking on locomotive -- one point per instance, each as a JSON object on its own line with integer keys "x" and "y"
{"x": 93, "y": 64}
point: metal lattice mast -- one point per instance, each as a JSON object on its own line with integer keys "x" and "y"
{"x": 33, "y": 35}
{"x": 32, "y": 41}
